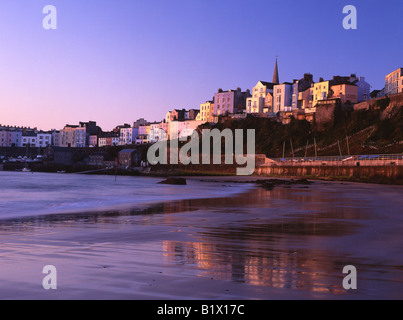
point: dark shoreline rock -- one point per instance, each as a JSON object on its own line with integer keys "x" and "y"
{"x": 174, "y": 181}
{"x": 270, "y": 184}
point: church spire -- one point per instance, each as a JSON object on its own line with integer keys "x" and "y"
{"x": 276, "y": 79}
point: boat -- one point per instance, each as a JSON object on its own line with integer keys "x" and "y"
{"x": 26, "y": 170}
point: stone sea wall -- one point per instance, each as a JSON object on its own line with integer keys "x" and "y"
{"x": 383, "y": 174}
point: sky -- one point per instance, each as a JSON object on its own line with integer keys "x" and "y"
{"x": 114, "y": 61}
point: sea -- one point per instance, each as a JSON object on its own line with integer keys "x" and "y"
{"x": 29, "y": 194}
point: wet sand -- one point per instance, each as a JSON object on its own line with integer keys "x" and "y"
{"x": 291, "y": 242}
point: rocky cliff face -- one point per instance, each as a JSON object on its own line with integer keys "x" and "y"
{"x": 393, "y": 110}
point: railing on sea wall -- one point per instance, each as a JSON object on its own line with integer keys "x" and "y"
{"x": 358, "y": 160}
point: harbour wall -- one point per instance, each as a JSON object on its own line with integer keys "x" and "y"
{"x": 382, "y": 174}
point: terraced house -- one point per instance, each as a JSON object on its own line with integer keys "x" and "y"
{"x": 231, "y": 101}
{"x": 206, "y": 112}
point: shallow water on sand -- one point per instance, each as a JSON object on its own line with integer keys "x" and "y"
{"x": 288, "y": 243}
{"x": 32, "y": 194}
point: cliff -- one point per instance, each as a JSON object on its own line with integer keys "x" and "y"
{"x": 375, "y": 129}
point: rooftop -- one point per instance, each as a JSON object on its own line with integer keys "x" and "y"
{"x": 400, "y": 71}
{"x": 270, "y": 85}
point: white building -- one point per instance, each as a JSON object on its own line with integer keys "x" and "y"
{"x": 394, "y": 82}
{"x": 10, "y": 137}
{"x": 257, "y": 103}
{"x": 164, "y": 130}
{"x": 128, "y": 136}
{"x": 102, "y": 141}
{"x": 3, "y": 138}
{"x": 29, "y": 139}
{"x": 155, "y": 134}
{"x": 43, "y": 139}
{"x": 282, "y": 96}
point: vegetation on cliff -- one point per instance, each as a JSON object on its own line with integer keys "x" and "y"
{"x": 375, "y": 131}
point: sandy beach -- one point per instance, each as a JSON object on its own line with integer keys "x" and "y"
{"x": 291, "y": 242}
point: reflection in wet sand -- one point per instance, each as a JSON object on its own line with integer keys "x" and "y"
{"x": 291, "y": 270}
{"x": 296, "y": 239}
{"x": 280, "y": 242}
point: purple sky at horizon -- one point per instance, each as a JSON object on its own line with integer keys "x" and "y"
{"x": 116, "y": 61}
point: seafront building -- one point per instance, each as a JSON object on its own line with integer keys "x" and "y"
{"x": 281, "y": 101}
{"x": 143, "y": 134}
{"x": 231, "y": 101}
{"x": 128, "y": 136}
{"x": 108, "y": 139}
{"x": 66, "y": 136}
{"x": 43, "y": 139}
{"x": 346, "y": 92}
{"x": 10, "y": 137}
{"x": 155, "y": 132}
{"x": 301, "y": 92}
{"x": 175, "y": 115}
{"x": 23, "y": 137}
{"x": 364, "y": 88}
{"x": 206, "y": 112}
{"x": 55, "y": 137}
{"x": 339, "y": 87}
{"x": 258, "y": 102}
{"x": 394, "y": 82}
{"x": 77, "y": 136}
{"x": 282, "y": 97}
{"x": 262, "y": 99}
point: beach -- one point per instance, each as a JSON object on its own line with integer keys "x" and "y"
{"x": 214, "y": 238}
